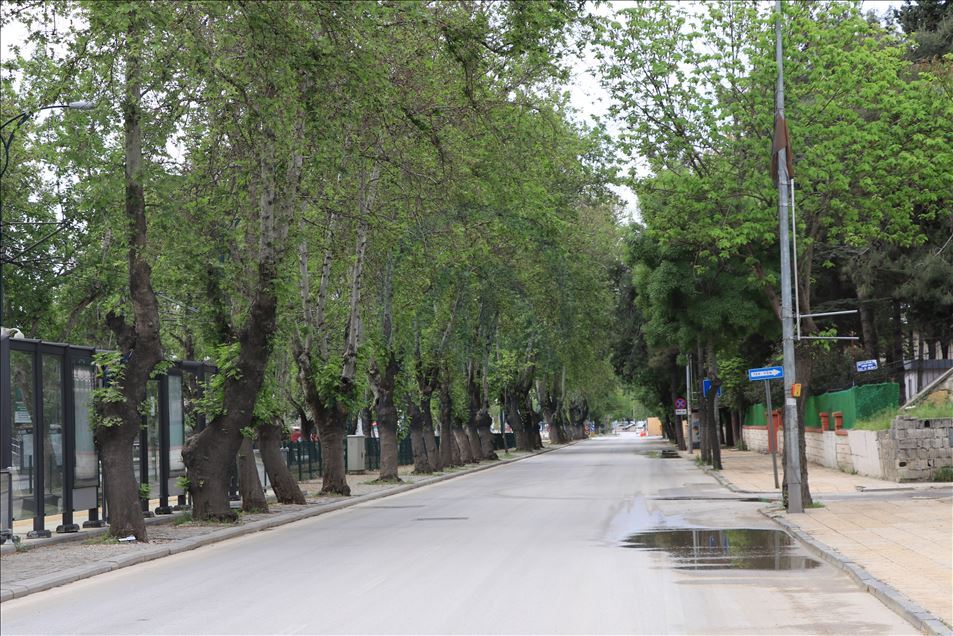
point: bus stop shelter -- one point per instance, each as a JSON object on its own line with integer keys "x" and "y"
{"x": 50, "y": 465}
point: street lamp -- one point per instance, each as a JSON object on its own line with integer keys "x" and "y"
{"x": 7, "y": 141}
{"x": 22, "y": 118}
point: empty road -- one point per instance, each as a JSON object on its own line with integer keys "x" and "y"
{"x": 552, "y": 544}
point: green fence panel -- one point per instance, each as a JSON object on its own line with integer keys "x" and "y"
{"x": 405, "y": 452}
{"x": 372, "y": 451}
{"x": 856, "y": 403}
{"x": 874, "y": 398}
{"x": 754, "y": 416}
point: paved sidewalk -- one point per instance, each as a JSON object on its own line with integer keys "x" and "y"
{"x": 902, "y": 534}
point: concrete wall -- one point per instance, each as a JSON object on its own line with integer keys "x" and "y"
{"x": 910, "y": 450}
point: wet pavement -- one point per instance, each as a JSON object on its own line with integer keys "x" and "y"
{"x": 736, "y": 548}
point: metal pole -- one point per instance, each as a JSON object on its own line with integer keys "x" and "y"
{"x": 797, "y": 295}
{"x": 688, "y": 401}
{"x": 791, "y": 433}
{"x": 773, "y": 441}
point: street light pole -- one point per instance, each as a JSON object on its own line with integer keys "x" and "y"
{"x": 7, "y": 141}
{"x": 792, "y": 444}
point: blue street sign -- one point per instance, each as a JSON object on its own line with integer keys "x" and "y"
{"x": 866, "y": 365}
{"x": 706, "y": 387}
{"x": 767, "y": 373}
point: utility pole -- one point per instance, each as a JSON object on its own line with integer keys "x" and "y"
{"x": 688, "y": 401}
{"x": 791, "y": 433}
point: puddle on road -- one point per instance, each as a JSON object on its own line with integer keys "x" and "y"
{"x": 737, "y": 548}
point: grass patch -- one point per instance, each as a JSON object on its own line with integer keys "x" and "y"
{"x": 815, "y": 504}
{"x": 383, "y": 482}
{"x": 943, "y": 474}
{"x": 926, "y": 411}
{"x": 880, "y": 421}
{"x": 182, "y": 519}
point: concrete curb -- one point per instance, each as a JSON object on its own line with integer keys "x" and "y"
{"x": 25, "y": 587}
{"x": 82, "y": 535}
{"x": 920, "y": 618}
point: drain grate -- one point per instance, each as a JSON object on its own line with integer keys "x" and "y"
{"x": 668, "y": 453}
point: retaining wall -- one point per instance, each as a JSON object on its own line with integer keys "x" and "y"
{"x": 910, "y": 450}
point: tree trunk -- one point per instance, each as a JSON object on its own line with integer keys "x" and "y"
{"x": 513, "y": 417}
{"x": 383, "y": 383}
{"x": 462, "y": 442}
{"x": 249, "y": 483}
{"x": 473, "y": 410}
{"x": 714, "y": 410}
{"x": 868, "y": 327}
{"x": 421, "y": 460}
{"x": 736, "y": 428}
{"x": 120, "y": 484}
{"x": 140, "y": 343}
{"x": 704, "y": 422}
{"x": 548, "y": 406}
{"x": 474, "y": 446}
{"x": 447, "y": 443}
{"x": 283, "y": 483}
{"x": 430, "y": 440}
{"x": 333, "y": 431}
{"x": 679, "y": 433}
{"x": 484, "y": 422}
{"x": 578, "y": 412}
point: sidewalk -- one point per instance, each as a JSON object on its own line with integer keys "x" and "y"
{"x": 901, "y": 534}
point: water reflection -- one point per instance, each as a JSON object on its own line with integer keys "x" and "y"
{"x": 737, "y": 548}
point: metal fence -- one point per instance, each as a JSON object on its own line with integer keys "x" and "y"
{"x": 304, "y": 457}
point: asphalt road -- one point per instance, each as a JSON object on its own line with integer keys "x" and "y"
{"x": 536, "y": 546}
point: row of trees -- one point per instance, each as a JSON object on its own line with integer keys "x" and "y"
{"x": 344, "y": 205}
{"x": 870, "y": 119}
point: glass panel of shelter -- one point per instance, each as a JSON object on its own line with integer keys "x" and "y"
{"x": 22, "y": 406}
{"x": 52, "y": 434}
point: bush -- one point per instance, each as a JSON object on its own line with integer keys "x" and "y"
{"x": 943, "y": 474}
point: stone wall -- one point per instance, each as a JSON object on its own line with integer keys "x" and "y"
{"x": 913, "y": 449}
{"x": 910, "y": 450}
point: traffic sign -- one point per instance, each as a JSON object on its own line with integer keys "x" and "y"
{"x": 681, "y": 403}
{"x": 766, "y": 373}
{"x": 866, "y": 365}
{"x": 706, "y": 387}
